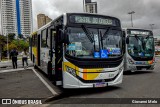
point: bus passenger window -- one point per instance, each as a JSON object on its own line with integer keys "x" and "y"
{"x": 48, "y": 38}
{"x": 43, "y": 39}
{"x": 53, "y": 39}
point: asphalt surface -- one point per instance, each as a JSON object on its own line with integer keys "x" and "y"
{"x": 140, "y": 84}
{"x": 25, "y": 84}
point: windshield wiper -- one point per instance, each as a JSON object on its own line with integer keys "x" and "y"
{"x": 142, "y": 41}
{"x": 101, "y": 39}
{"x": 87, "y": 32}
{"x": 106, "y": 33}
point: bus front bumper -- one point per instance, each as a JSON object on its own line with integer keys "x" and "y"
{"x": 140, "y": 67}
{"x": 73, "y": 82}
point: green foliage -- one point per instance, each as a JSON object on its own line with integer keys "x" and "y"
{"x": 20, "y": 36}
{"x": 11, "y": 36}
{"x": 2, "y": 39}
{"x": 10, "y": 47}
{"x": 23, "y": 45}
{"x": 18, "y": 44}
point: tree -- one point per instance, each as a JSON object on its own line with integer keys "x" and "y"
{"x": 23, "y": 44}
{"x": 19, "y": 44}
{"x": 2, "y": 43}
{"x": 12, "y": 43}
{"x": 2, "y": 40}
{"x": 20, "y": 36}
{"x": 11, "y": 36}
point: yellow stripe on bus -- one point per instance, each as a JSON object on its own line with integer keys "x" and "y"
{"x": 91, "y": 74}
{"x": 87, "y": 74}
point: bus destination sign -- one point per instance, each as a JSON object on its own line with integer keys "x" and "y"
{"x": 92, "y": 20}
{"x": 139, "y": 32}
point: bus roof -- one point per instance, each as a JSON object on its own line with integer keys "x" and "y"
{"x": 136, "y": 28}
{"x": 64, "y": 14}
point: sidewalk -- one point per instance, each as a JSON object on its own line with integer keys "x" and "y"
{"x": 8, "y": 64}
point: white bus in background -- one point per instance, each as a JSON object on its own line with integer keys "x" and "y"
{"x": 140, "y": 50}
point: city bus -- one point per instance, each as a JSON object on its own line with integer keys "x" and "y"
{"x": 80, "y": 50}
{"x": 140, "y": 50}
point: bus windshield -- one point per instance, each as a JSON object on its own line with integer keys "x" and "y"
{"x": 82, "y": 45}
{"x": 141, "y": 46}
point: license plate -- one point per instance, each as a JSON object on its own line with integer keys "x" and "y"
{"x": 102, "y": 84}
{"x": 144, "y": 69}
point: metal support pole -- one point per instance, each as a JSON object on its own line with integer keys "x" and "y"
{"x": 7, "y": 49}
{"x": 132, "y": 12}
{"x": 151, "y": 26}
{"x": 83, "y": 5}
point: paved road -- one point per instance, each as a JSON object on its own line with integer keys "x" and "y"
{"x": 22, "y": 84}
{"x": 143, "y": 84}
{"x": 25, "y": 84}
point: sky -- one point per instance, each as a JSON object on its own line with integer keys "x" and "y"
{"x": 146, "y": 11}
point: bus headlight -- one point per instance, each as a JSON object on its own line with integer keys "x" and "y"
{"x": 120, "y": 69}
{"x": 130, "y": 61}
{"x": 71, "y": 71}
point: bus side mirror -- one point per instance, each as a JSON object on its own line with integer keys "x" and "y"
{"x": 127, "y": 40}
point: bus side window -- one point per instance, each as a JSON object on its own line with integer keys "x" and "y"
{"x": 43, "y": 39}
{"x": 48, "y": 38}
{"x": 53, "y": 38}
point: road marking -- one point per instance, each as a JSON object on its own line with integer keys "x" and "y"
{"x": 45, "y": 83}
{"x": 14, "y": 70}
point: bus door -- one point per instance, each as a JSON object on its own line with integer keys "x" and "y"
{"x": 38, "y": 50}
{"x": 57, "y": 52}
{"x": 52, "y": 52}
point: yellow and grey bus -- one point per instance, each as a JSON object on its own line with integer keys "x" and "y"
{"x": 80, "y": 50}
{"x": 140, "y": 50}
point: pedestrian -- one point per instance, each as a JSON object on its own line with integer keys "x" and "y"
{"x": 25, "y": 57}
{"x": 14, "y": 54}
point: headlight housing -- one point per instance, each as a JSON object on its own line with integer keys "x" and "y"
{"x": 71, "y": 71}
{"x": 121, "y": 68}
{"x": 130, "y": 61}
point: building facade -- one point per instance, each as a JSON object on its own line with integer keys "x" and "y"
{"x": 42, "y": 20}
{"x": 91, "y": 7}
{"x": 16, "y": 17}
{"x": 25, "y": 17}
{"x": 8, "y": 17}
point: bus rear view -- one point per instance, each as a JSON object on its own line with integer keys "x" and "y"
{"x": 139, "y": 50}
